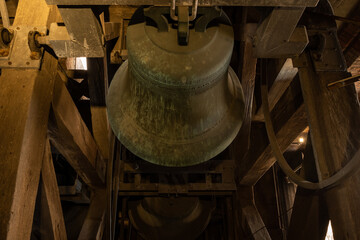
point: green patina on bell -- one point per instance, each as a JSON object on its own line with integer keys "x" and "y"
{"x": 176, "y": 105}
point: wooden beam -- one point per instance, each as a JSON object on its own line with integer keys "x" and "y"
{"x": 334, "y": 117}
{"x": 70, "y": 136}
{"x": 93, "y": 226}
{"x": 309, "y": 219}
{"x": 283, "y": 78}
{"x": 98, "y": 84}
{"x": 289, "y": 119}
{"x": 247, "y": 69}
{"x": 51, "y": 210}
{"x": 24, "y": 108}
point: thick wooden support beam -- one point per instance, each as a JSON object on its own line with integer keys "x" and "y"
{"x": 204, "y": 3}
{"x": 283, "y": 76}
{"x": 70, "y": 136}
{"x": 51, "y": 210}
{"x": 98, "y": 84}
{"x": 289, "y": 119}
{"x": 278, "y": 35}
{"x": 24, "y": 110}
{"x": 334, "y": 117}
{"x": 309, "y": 219}
{"x": 240, "y": 145}
{"x": 93, "y": 226}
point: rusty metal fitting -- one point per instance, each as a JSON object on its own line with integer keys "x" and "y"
{"x": 34, "y": 45}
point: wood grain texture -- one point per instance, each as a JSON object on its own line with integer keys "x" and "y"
{"x": 94, "y": 222}
{"x": 51, "y": 197}
{"x": 289, "y": 118}
{"x": 334, "y": 117}
{"x": 98, "y": 85}
{"x": 240, "y": 145}
{"x": 283, "y": 78}
{"x": 71, "y": 137}
{"x": 309, "y": 219}
{"x": 24, "y": 110}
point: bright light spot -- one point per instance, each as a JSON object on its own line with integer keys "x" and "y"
{"x": 329, "y": 234}
{"x": 81, "y": 63}
{"x": 301, "y": 140}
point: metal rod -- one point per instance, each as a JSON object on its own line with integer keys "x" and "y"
{"x": 343, "y": 82}
{"x": 4, "y": 14}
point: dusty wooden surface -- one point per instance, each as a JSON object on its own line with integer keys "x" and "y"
{"x": 334, "y": 117}
{"x": 71, "y": 137}
{"x": 285, "y": 73}
{"x": 51, "y": 198}
{"x": 24, "y": 108}
{"x": 93, "y": 225}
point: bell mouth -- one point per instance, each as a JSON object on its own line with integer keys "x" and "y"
{"x": 169, "y": 149}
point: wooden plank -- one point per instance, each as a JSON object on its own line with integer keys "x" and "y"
{"x": 24, "y": 108}
{"x": 98, "y": 84}
{"x": 310, "y": 218}
{"x": 333, "y": 118}
{"x": 282, "y": 81}
{"x": 240, "y": 145}
{"x": 205, "y": 3}
{"x": 278, "y": 35}
{"x": 92, "y": 228}
{"x": 70, "y": 136}
{"x": 50, "y": 197}
{"x": 289, "y": 118}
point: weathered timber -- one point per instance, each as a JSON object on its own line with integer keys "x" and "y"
{"x": 70, "y": 136}
{"x": 285, "y": 3}
{"x": 283, "y": 78}
{"x": 309, "y": 219}
{"x": 51, "y": 210}
{"x": 333, "y": 120}
{"x": 278, "y": 35}
{"x": 247, "y": 70}
{"x": 109, "y": 187}
{"x": 93, "y": 226}
{"x": 24, "y": 108}
{"x": 244, "y": 197}
{"x": 98, "y": 83}
{"x": 289, "y": 119}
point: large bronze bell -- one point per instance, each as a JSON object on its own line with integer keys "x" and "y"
{"x": 176, "y": 105}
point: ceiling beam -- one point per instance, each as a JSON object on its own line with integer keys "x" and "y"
{"x": 282, "y": 3}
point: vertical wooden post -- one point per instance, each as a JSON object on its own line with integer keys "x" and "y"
{"x": 334, "y": 117}
{"x": 24, "y": 110}
{"x": 309, "y": 219}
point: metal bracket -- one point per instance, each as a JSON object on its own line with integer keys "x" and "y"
{"x": 193, "y": 11}
{"x": 20, "y": 54}
{"x": 326, "y": 55}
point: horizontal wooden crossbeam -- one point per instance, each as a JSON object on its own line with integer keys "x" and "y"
{"x": 284, "y": 3}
